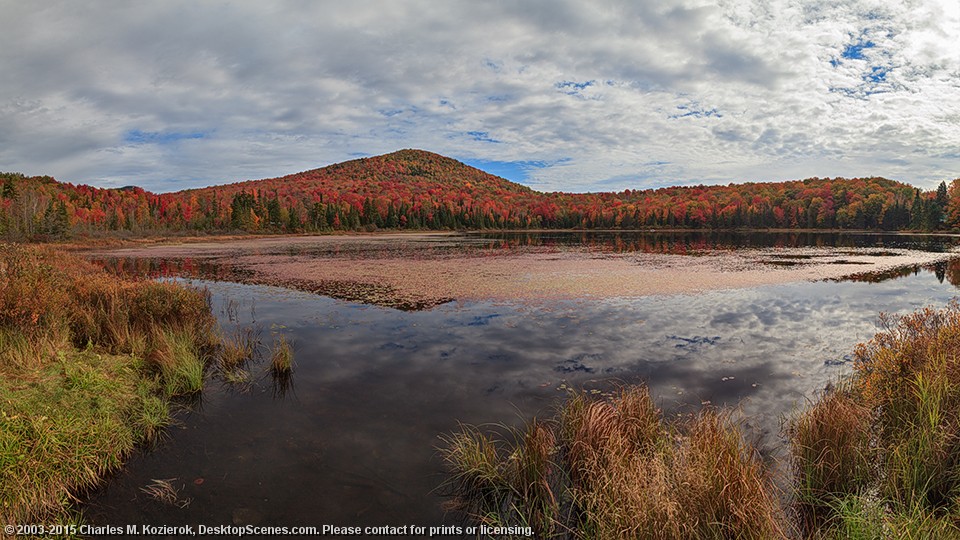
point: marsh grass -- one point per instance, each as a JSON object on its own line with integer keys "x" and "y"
{"x": 239, "y": 348}
{"x": 281, "y": 356}
{"x": 88, "y": 363}
{"x": 888, "y": 440}
{"x": 65, "y": 429}
{"x": 831, "y": 455}
{"x": 235, "y": 352}
{"x": 181, "y": 365}
{"x": 613, "y": 468}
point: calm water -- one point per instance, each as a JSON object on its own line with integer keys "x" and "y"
{"x": 352, "y": 440}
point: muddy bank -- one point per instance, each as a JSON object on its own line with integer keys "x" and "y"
{"x": 419, "y": 271}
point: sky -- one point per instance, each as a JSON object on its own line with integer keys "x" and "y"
{"x": 558, "y": 95}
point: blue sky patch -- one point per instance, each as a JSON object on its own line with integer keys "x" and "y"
{"x": 482, "y": 136}
{"x": 696, "y": 111}
{"x": 515, "y": 171}
{"x": 877, "y": 74}
{"x": 854, "y": 51}
{"x": 136, "y": 136}
{"x": 574, "y": 88}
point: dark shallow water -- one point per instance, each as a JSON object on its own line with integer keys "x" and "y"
{"x": 353, "y": 440}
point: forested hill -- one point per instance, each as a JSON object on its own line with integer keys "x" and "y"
{"x": 414, "y": 189}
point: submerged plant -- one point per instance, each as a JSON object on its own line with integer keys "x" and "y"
{"x": 163, "y": 491}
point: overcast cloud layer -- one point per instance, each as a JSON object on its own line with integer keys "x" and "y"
{"x": 573, "y": 96}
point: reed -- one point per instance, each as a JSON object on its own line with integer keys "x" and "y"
{"x": 239, "y": 348}
{"x": 281, "y": 356}
{"x": 890, "y": 437}
{"x": 831, "y": 455}
{"x": 478, "y": 481}
{"x": 613, "y": 468}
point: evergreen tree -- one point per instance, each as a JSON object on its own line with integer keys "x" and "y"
{"x": 916, "y": 211}
{"x": 55, "y": 221}
{"x": 942, "y": 195}
{"x": 294, "y": 223}
{"x": 9, "y": 190}
{"x": 241, "y": 210}
{"x": 392, "y": 221}
{"x": 932, "y": 215}
{"x": 317, "y": 216}
{"x": 274, "y": 215}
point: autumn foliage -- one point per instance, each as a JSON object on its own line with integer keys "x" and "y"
{"x": 414, "y": 189}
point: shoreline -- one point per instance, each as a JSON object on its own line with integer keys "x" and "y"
{"x": 411, "y": 271}
{"x": 111, "y": 242}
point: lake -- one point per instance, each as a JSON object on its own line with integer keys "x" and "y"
{"x": 352, "y": 437}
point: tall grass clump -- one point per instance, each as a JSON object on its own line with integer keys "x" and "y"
{"x": 831, "y": 455}
{"x": 614, "y": 468}
{"x": 179, "y": 361}
{"x": 479, "y": 481}
{"x": 890, "y": 437}
{"x": 239, "y": 348}
{"x": 88, "y": 363}
{"x": 281, "y": 356}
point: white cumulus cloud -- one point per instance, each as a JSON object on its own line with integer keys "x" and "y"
{"x": 600, "y": 95}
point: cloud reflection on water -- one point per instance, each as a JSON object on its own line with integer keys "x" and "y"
{"x": 374, "y": 387}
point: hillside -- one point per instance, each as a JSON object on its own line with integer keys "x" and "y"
{"x": 414, "y": 189}
{"x": 408, "y": 188}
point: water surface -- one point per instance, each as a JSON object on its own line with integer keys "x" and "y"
{"x": 352, "y": 440}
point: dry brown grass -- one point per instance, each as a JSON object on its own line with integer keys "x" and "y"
{"x": 831, "y": 454}
{"x": 239, "y": 348}
{"x": 883, "y": 452}
{"x": 281, "y": 356}
{"x": 87, "y": 364}
{"x": 614, "y": 469}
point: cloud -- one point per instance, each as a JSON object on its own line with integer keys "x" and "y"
{"x": 730, "y": 91}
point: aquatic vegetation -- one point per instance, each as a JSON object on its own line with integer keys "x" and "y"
{"x": 876, "y": 456}
{"x": 281, "y": 357}
{"x": 889, "y": 437}
{"x": 614, "y": 468}
{"x": 88, "y": 363}
{"x": 239, "y": 348}
{"x": 164, "y": 491}
{"x": 831, "y": 455}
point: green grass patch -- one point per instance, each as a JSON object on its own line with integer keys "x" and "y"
{"x": 63, "y": 429}
{"x": 88, "y": 364}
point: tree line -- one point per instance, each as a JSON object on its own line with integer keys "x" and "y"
{"x": 418, "y": 190}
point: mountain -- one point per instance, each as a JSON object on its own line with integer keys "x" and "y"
{"x": 415, "y": 189}
{"x": 407, "y": 188}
